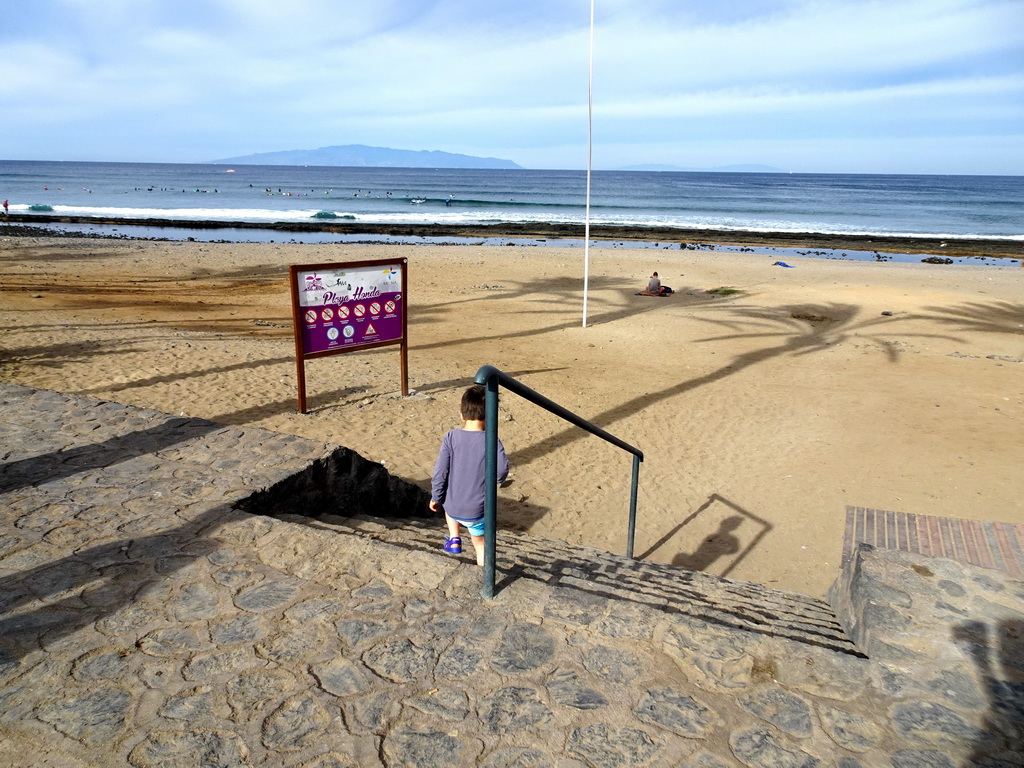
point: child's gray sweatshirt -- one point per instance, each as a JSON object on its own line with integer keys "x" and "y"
{"x": 458, "y": 480}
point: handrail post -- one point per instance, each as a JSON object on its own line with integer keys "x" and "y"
{"x": 490, "y": 377}
{"x": 632, "y": 506}
{"x": 490, "y": 484}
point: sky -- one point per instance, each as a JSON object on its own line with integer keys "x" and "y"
{"x": 830, "y": 86}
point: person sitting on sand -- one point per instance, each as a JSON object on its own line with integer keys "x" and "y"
{"x": 457, "y": 485}
{"x": 654, "y": 286}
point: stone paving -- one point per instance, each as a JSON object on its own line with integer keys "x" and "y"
{"x": 149, "y": 617}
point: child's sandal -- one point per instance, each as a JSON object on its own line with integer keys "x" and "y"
{"x": 453, "y": 546}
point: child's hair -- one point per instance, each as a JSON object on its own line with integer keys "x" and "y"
{"x": 473, "y": 403}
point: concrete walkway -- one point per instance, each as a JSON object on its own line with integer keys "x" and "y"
{"x": 146, "y": 620}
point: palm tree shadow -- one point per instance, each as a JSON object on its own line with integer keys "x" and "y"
{"x": 555, "y": 292}
{"x": 184, "y": 375}
{"x": 799, "y": 330}
{"x": 986, "y": 317}
{"x": 59, "y": 355}
{"x": 558, "y": 297}
{"x": 22, "y": 473}
{"x": 81, "y": 589}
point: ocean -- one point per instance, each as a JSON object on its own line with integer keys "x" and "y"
{"x": 888, "y": 205}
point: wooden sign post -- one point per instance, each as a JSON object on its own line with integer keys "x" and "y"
{"x": 344, "y": 307}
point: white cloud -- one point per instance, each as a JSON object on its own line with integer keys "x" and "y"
{"x": 1006, "y": 94}
{"x": 208, "y": 78}
{"x": 821, "y": 43}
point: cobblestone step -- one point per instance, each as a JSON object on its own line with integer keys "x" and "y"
{"x": 732, "y": 604}
{"x": 147, "y": 621}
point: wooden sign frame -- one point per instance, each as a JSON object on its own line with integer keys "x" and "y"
{"x": 349, "y": 306}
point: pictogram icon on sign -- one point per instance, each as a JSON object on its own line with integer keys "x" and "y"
{"x": 311, "y": 316}
{"x": 389, "y": 306}
{"x": 359, "y": 310}
{"x": 375, "y": 308}
{"x": 343, "y": 312}
{"x": 327, "y": 314}
{"x": 370, "y": 330}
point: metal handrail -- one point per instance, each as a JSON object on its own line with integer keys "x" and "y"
{"x": 491, "y": 377}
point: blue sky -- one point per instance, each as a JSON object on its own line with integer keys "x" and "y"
{"x": 858, "y": 86}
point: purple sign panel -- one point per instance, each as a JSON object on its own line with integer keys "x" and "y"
{"x": 342, "y": 309}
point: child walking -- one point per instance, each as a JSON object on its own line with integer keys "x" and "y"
{"x": 457, "y": 486}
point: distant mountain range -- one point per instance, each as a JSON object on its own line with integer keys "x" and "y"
{"x": 363, "y": 156}
{"x": 750, "y": 168}
{"x": 360, "y": 155}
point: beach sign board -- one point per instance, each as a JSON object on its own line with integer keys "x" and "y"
{"x": 348, "y": 306}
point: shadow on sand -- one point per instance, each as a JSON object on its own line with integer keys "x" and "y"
{"x": 718, "y": 545}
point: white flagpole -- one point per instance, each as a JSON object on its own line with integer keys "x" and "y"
{"x": 590, "y": 154}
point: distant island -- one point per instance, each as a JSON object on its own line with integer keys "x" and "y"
{"x": 749, "y": 168}
{"x": 360, "y": 155}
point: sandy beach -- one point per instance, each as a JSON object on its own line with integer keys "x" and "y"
{"x": 763, "y": 410}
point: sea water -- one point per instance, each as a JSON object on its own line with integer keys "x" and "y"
{"x": 886, "y": 205}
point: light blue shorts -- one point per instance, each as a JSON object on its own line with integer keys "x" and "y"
{"x": 475, "y": 527}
